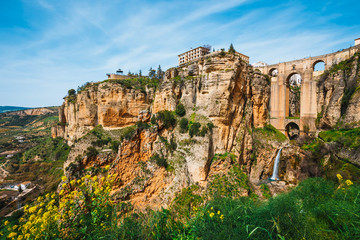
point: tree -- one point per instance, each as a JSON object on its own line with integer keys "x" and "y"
{"x": 151, "y": 73}
{"x": 231, "y": 49}
{"x": 140, "y": 74}
{"x": 71, "y": 92}
{"x": 159, "y": 73}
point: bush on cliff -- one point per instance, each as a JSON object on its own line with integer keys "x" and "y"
{"x": 167, "y": 119}
{"x": 184, "y": 125}
{"x": 180, "y": 110}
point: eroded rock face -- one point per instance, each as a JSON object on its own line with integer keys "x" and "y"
{"x": 108, "y": 104}
{"x": 338, "y": 97}
{"x": 223, "y": 91}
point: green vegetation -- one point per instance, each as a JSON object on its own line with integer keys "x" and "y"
{"x": 349, "y": 138}
{"x": 270, "y": 132}
{"x": 128, "y": 132}
{"x": 49, "y": 149}
{"x": 138, "y": 83}
{"x": 167, "y": 119}
{"x": 315, "y": 209}
{"x": 91, "y": 152}
{"x": 159, "y": 160}
{"x": 194, "y": 129}
{"x": 231, "y": 49}
{"x": 180, "y": 110}
{"x": 183, "y": 125}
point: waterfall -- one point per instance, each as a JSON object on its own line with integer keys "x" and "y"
{"x": 275, "y": 175}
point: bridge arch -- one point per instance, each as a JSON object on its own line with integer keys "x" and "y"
{"x": 293, "y": 89}
{"x": 274, "y": 72}
{"x": 292, "y": 130}
{"x": 319, "y": 65}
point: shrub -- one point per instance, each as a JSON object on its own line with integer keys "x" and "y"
{"x": 142, "y": 125}
{"x": 115, "y": 145}
{"x": 128, "y": 132}
{"x": 71, "y": 92}
{"x": 91, "y": 152}
{"x": 159, "y": 160}
{"x": 180, "y": 110}
{"x": 203, "y": 131}
{"x": 184, "y": 125}
{"x": 153, "y": 120}
{"x": 194, "y": 129}
{"x": 167, "y": 118}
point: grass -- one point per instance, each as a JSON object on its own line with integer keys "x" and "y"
{"x": 315, "y": 209}
{"x": 349, "y": 138}
{"x": 270, "y": 132}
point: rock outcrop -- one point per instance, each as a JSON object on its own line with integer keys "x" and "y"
{"x": 339, "y": 96}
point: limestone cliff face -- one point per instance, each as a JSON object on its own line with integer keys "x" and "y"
{"x": 339, "y": 96}
{"x": 108, "y": 104}
{"x": 222, "y": 90}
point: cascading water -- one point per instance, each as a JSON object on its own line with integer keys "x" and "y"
{"x": 275, "y": 175}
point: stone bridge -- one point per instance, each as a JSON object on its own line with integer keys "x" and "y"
{"x": 281, "y": 74}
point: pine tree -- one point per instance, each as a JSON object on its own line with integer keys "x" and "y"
{"x": 231, "y": 49}
{"x": 159, "y": 73}
{"x": 152, "y": 73}
{"x": 140, "y": 74}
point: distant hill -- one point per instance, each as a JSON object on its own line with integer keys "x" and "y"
{"x": 11, "y": 108}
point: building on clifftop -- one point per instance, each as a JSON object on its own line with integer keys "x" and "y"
{"x": 193, "y": 54}
{"x": 118, "y": 75}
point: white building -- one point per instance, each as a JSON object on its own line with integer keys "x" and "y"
{"x": 192, "y": 55}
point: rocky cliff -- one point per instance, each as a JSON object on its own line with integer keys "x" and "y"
{"x": 223, "y": 122}
{"x": 339, "y": 96}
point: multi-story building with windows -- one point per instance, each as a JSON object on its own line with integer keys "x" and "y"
{"x": 192, "y": 54}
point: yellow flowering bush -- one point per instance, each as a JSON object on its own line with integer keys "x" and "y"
{"x": 82, "y": 208}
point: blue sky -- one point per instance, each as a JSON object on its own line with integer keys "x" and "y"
{"x": 50, "y": 46}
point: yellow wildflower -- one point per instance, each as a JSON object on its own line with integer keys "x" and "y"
{"x": 79, "y": 181}
{"x": 107, "y": 167}
{"x": 14, "y": 227}
{"x": 222, "y": 217}
{"x": 72, "y": 182}
{"x": 63, "y": 178}
{"x": 211, "y": 214}
{"x": 6, "y": 222}
{"x": 94, "y": 178}
{"x": 218, "y": 212}
{"x": 339, "y": 177}
{"x": 103, "y": 179}
{"x": 61, "y": 192}
{"x": 11, "y": 235}
{"x": 32, "y": 209}
{"x": 64, "y": 185}
{"x": 87, "y": 176}
{"x": 349, "y": 182}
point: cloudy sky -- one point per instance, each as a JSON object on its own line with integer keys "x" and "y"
{"x": 50, "y": 46}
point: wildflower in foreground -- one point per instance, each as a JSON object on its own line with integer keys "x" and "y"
{"x": 212, "y": 215}
{"x": 339, "y": 176}
{"x": 349, "y": 182}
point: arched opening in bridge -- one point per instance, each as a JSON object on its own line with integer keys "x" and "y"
{"x": 319, "y": 66}
{"x": 292, "y": 130}
{"x": 273, "y": 72}
{"x": 293, "y": 87}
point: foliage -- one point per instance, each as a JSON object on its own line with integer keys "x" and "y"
{"x": 194, "y": 129}
{"x": 315, "y": 209}
{"x": 49, "y": 149}
{"x": 269, "y": 131}
{"x": 231, "y": 49}
{"x": 128, "y": 132}
{"x": 138, "y": 83}
{"x": 82, "y": 210}
{"x": 142, "y": 125}
{"x": 184, "y": 125}
{"x": 229, "y": 185}
{"x": 159, "y": 160}
{"x": 83, "y": 87}
{"x": 349, "y": 138}
{"x": 91, "y": 152}
{"x": 115, "y": 145}
{"x": 348, "y": 93}
{"x": 71, "y": 92}
{"x": 187, "y": 203}
{"x": 167, "y": 118}
{"x": 180, "y": 110}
